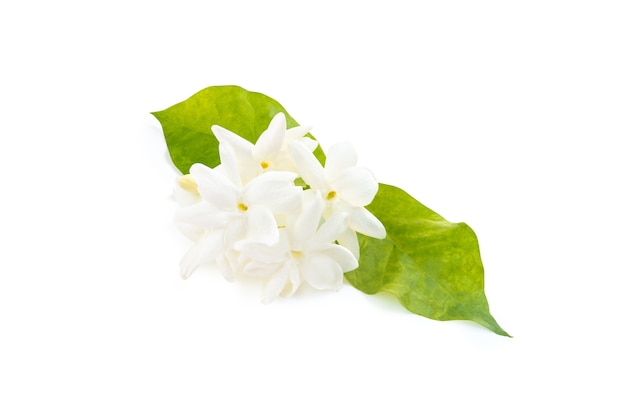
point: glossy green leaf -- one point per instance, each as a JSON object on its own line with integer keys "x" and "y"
{"x": 431, "y": 265}
{"x": 187, "y": 125}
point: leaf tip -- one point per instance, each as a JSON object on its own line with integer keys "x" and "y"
{"x": 490, "y": 323}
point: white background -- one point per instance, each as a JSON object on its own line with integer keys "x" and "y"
{"x": 509, "y": 116}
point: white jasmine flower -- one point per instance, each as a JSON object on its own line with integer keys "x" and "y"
{"x": 344, "y": 187}
{"x": 271, "y": 149}
{"x": 230, "y": 211}
{"x": 305, "y": 252}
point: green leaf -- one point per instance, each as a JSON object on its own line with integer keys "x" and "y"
{"x": 431, "y": 265}
{"x": 187, "y": 125}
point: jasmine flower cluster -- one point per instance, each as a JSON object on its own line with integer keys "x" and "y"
{"x": 250, "y": 217}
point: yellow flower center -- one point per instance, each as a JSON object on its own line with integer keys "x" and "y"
{"x": 331, "y": 195}
{"x": 264, "y": 164}
{"x": 296, "y": 254}
{"x": 242, "y": 207}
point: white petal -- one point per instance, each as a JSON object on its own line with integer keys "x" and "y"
{"x": 294, "y": 277}
{"x": 279, "y": 252}
{"x": 340, "y": 156}
{"x": 332, "y": 228}
{"x": 214, "y": 187}
{"x": 228, "y": 165}
{"x": 260, "y": 253}
{"x": 242, "y": 147}
{"x": 309, "y": 143}
{"x": 262, "y": 226}
{"x": 356, "y": 185}
{"x": 203, "y": 251}
{"x": 193, "y": 232}
{"x": 228, "y": 264}
{"x": 341, "y": 255}
{"x": 350, "y": 241}
{"x": 309, "y": 168}
{"x": 274, "y": 190}
{"x": 366, "y": 223}
{"x": 321, "y": 272}
{"x": 261, "y": 269}
{"x": 201, "y": 214}
{"x": 275, "y": 285}
{"x": 271, "y": 140}
{"x": 235, "y": 230}
{"x": 297, "y": 133}
{"x": 308, "y": 220}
